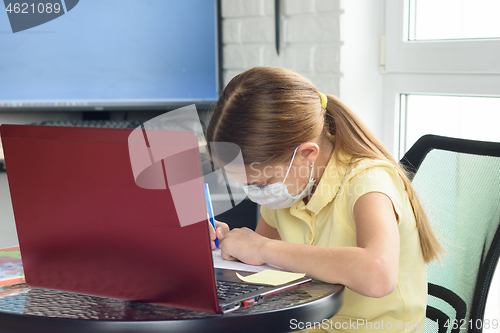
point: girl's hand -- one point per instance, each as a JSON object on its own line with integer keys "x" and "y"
{"x": 243, "y": 244}
{"x": 222, "y": 230}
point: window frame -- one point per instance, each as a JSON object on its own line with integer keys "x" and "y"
{"x": 396, "y": 85}
{"x": 473, "y": 56}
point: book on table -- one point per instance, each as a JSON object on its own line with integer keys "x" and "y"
{"x": 11, "y": 266}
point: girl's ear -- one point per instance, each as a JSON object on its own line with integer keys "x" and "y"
{"x": 309, "y": 151}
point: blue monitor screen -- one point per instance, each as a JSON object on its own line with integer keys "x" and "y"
{"x": 112, "y": 53}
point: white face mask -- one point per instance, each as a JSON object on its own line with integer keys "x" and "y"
{"x": 276, "y": 195}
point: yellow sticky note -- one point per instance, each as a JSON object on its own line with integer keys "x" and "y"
{"x": 271, "y": 277}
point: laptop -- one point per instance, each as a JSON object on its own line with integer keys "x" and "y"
{"x": 85, "y": 226}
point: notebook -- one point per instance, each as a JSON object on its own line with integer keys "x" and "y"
{"x": 85, "y": 226}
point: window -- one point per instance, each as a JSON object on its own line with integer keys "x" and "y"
{"x": 421, "y": 36}
{"x": 453, "y": 19}
{"x": 438, "y": 52}
{"x": 468, "y": 117}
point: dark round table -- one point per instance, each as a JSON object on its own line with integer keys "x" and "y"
{"x": 25, "y": 309}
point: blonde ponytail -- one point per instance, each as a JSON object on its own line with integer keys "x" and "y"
{"x": 354, "y": 138}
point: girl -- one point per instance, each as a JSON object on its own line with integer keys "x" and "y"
{"x": 335, "y": 204}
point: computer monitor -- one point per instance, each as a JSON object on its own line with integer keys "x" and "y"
{"x": 113, "y": 55}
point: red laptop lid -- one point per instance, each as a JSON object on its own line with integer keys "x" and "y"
{"x": 85, "y": 226}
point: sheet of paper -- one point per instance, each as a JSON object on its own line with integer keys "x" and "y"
{"x": 271, "y": 277}
{"x": 237, "y": 265}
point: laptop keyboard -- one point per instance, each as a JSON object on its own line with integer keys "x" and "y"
{"x": 227, "y": 290}
{"x": 92, "y": 123}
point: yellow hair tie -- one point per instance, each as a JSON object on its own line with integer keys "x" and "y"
{"x": 324, "y": 100}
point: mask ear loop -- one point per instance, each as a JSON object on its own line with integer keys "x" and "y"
{"x": 294, "y": 152}
{"x": 312, "y": 168}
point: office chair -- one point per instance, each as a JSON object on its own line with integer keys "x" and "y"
{"x": 458, "y": 183}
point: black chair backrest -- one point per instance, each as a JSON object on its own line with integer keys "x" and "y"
{"x": 458, "y": 183}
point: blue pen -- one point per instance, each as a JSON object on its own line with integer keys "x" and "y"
{"x": 210, "y": 208}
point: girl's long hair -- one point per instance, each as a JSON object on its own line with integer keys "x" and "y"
{"x": 268, "y": 112}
